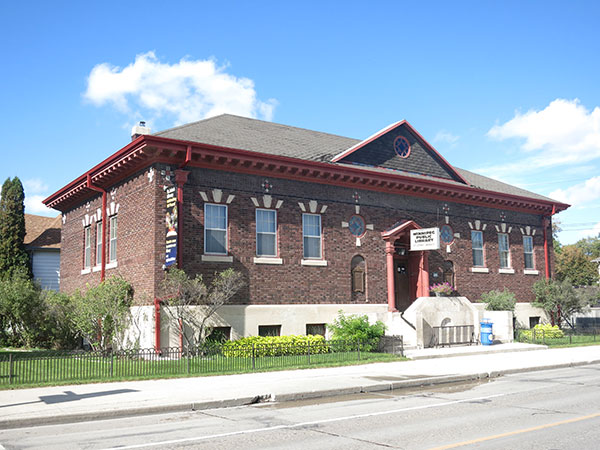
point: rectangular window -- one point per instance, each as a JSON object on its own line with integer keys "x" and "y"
{"x": 269, "y": 330}
{"x": 219, "y": 334}
{"x": 215, "y": 229}
{"x": 316, "y": 329}
{"x": 311, "y": 232}
{"x": 87, "y": 252}
{"x": 98, "y": 243}
{"x": 503, "y": 249}
{"x": 477, "y": 245}
{"x": 266, "y": 232}
{"x": 112, "y": 250}
{"x": 528, "y": 251}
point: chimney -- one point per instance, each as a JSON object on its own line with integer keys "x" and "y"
{"x": 139, "y": 130}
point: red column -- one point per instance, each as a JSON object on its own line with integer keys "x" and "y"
{"x": 391, "y": 290}
{"x": 423, "y": 280}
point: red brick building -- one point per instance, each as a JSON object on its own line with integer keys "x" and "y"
{"x": 315, "y": 222}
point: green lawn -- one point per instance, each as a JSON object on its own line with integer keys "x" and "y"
{"x": 38, "y": 368}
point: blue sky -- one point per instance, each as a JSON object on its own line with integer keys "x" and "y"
{"x": 507, "y": 89}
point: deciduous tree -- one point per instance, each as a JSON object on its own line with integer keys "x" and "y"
{"x": 190, "y": 302}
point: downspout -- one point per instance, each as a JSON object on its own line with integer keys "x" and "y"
{"x": 104, "y": 219}
{"x": 157, "y": 324}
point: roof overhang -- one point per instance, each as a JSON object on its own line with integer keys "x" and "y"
{"x": 147, "y": 150}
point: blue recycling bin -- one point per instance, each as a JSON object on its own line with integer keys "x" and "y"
{"x": 485, "y": 335}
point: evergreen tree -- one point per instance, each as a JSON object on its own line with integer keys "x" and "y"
{"x": 14, "y": 259}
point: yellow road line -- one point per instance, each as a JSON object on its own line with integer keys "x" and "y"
{"x": 512, "y": 433}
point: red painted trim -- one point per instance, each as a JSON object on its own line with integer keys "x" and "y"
{"x": 243, "y": 161}
{"x": 393, "y": 233}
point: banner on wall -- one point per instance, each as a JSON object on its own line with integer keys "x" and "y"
{"x": 171, "y": 226}
{"x": 425, "y": 239}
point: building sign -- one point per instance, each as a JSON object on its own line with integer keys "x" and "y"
{"x": 171, "y": 226}
{"x": 425, "y": 239}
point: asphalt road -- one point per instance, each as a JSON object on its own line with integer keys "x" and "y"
{"x": 554, "y": 409}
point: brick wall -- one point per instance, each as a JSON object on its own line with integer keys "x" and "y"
{"x": 141, "y": 239}
{"x": 136, "y": 240}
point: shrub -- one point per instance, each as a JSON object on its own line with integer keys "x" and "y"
{"x": 547, "y": 331}
{"x": 275, "y": 346}
{"x": 499, "y": 301}
{"x": 355, "y": 328}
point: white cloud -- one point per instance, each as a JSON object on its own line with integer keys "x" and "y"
{"x": 565, "y": 132}
{"x": 579, "y": 194}
{"x": 34, "y": 186}
{"x": 34, "y": 205}
{"x": 445, "y": 137}
{"x": 189, "y": 90}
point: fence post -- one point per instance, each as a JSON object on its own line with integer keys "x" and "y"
{"x": 111, "y": 363}
{"x": 187, "y": 351}
{"x": 358, "y": 348}
{"x": 544, "y": 337}
{"x": 10, "y": 368}
{"x": 253, "y": 357}
{"x": 308, "y": 350}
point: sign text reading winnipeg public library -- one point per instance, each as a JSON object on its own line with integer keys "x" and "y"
{"x": 425, "y": 239}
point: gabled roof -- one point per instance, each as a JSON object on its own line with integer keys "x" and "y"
{"x": 240, "y": 144}
{"x": 42, "y": 232}
{"x": 255, "y": 135}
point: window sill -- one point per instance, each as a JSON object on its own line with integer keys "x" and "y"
{"x": 85, "y": 271}
{"x": 217, "y": 258}
{"x": 531, "y": 272}
{"x": 313, "y": 262}
{"x": 507, "y": 270}
{"x": 267, "y": 260}
{"x": 111, "y": 265}
{"x": 480, "y": 270}
{"x": 96, "y": 268}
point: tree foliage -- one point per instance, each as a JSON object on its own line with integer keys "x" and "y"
{"x": 102, "y": 314}
{"x": 356, "y": 328}
{"x": 21, "y": 311}
{"x": 190, "y": 302}
{"x": 572, "y": 264}
{"x": 590, "y": 246}
{"x": 560, "y": 299}
{"x": 13, "y": 256}
{"x": 499, "y": 301}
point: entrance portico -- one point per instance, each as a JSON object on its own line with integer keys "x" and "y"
{"x": 407, "y": 272}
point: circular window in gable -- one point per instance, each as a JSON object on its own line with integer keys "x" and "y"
{"x": 402, "y": 147}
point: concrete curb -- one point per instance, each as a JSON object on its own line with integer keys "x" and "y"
{"x": 244, "y": 401}
{"x": 474, "y": 353}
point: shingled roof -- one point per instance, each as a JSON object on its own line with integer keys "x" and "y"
{"x": 271, "y": 138}
{"x": 42, "y": 232}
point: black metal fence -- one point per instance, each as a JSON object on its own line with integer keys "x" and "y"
{"x": 25, "y": 368}
{"x": 567, "y": 336}
{"x": 453, "y": 335}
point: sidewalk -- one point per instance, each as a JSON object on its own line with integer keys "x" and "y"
{"x": 60, "y": 404}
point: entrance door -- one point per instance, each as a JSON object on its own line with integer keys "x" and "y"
{"x": 402, "y": 284}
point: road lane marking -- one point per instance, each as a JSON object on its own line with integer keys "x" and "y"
{"x": 513, "y": 433}
{"x": 305, "y": 424}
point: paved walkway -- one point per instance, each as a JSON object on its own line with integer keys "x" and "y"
{"x": 29, "y": 407}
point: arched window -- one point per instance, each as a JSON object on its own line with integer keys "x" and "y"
{"x": 358, "y": 270}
